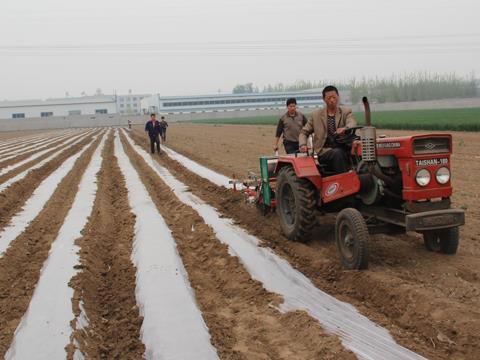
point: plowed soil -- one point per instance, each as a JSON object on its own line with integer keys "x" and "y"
{"x": 239, "y": 312}
{"x": 106, "y": 284}
{"x": 428, "y": 301}
{"x": 21, "y": 264}
{"x": 13, "y": 198}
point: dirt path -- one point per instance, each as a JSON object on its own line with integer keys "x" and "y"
{"x": 23, "y": 260}
{"x": 428, "y": 301}
{"x": 106, "y": 286}
{"x": 239, "y": 313}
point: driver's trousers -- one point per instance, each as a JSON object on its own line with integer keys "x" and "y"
{"x": 336, "y": 159}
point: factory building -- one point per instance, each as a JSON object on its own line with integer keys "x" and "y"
{"x": 85, "y": 105}
{"x": 231, "y": 102}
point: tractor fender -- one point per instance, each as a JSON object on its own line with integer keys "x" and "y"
{"x": 304, "y": 167}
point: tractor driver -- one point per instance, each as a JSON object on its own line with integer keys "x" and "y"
{"x": 325, "y": 124}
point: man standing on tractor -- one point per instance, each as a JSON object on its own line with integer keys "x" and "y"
{"x": 290, "y": 125}
{"x": 327, "y": 124}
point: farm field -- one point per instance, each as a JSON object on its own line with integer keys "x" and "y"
{"x": 108, "y": 252}
{"x": 462, "y": 119}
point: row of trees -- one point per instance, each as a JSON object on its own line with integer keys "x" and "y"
{"x": 247, "y": 88}
{"x": 410, "y": 87}
{"x": 300, "y": 85}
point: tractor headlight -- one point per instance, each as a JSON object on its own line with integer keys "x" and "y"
{"x": 423, "y": 177}
{"x": 443, "y": 175}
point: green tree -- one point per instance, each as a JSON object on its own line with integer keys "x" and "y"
{"x": 244, "y": 88}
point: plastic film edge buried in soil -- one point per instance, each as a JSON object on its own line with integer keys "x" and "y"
{"x": 39, "y": 198}
{"x": 38, "y": 165}
{"x": 9, "y": 168}
{"x": 20, "y": 150}
{"x": 214, "y": 177}
{"x": 173, "y": 326}
{"x": 357, "y": 333}
{"x": 44, "y": 330}
{"x": 24, "y": 139}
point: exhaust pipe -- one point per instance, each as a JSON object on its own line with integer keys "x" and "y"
{"x": 369, "y": 149}
{"x": 366, "y": 105}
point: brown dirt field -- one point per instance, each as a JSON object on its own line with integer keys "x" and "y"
{"x": 238, "y": 311}
{"x": 13, "y": 198}
{"x": 26, "y": 154}
{"x": 21, "y": 264}
{"x": 9, "y": 135}
{"x": 429, "y": 302}
{"x": 107, "y": 283}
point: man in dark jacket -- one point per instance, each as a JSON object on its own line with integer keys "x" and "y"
{"x": 290, "y": 126}
{"x": 153, "y": 128}
{"x": 163, "y": 128}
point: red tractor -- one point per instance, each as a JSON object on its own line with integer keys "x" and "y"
{"x": 399, "y": 184}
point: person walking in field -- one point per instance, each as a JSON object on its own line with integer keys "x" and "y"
{"x": 289, "y": 126}
{"x": 325, "y": 124}
{"x": 152, "y": 127}
{"x": 163, "y": 128}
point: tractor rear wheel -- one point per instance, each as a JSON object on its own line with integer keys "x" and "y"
{"x": 351, "y": 236}
{"x": 443, "y": 240}
{"x": 295, "y": 205}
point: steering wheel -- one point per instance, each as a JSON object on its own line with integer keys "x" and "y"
{"x": 348, "y": 137}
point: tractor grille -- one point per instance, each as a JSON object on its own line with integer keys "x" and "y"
{"x": 369, "y": 135}
{"x": 431, "y": 145}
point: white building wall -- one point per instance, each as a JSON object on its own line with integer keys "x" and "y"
{"x": 130, "y": 104}
{"x": 150, "y": 104}
{"x": 57, "y": 110}
{"x": 58, "y": 107}
{"x": 228, "y": 102}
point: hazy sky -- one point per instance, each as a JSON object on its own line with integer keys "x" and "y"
{"x": 49, "y": 47}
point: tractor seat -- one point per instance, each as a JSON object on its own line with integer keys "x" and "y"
{"x": 324, "y": 170}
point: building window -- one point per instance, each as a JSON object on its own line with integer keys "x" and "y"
{"x": 18, "y": 115}
{"x": 75, "y": 112}
{"x": 46, "y": 113}
{"x": 135, "y": 105}
{"x": 122, "y": 105}
{"x": 101, "y": 111}
{"x": 134, "y": 99}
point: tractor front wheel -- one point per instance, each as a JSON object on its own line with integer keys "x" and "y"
{"x": 351, "y": 236}
{"x": 443, "y": 240}
{"x": 295, "y": 205}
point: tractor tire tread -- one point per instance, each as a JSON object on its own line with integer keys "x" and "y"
{"x": 362, "y": 235}
{"x": 449, "y": 241}
{"x": 444, "y": 241}
{"x": 306, "y": 208}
